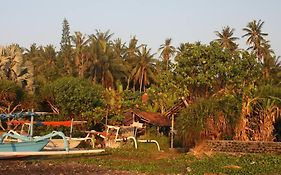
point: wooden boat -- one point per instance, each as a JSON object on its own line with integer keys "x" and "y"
{"x": 54, "y": 144}
{"x": 24, "y": 146}
{"x": 58, "y": 144}
{"x": 31, "y": 146}
{"x": 5, "y": 155}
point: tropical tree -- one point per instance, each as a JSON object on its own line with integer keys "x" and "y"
{"x": 65, "y": 54}
{"x": 120, "y": 50}
{"x": 260, "y": 110}
{"x": 261, "y": 47}
{"x": 255, "y": 36}
{"x": 207, "y": 69}
{"x": 80, "y": 42}
{"x": 275, "y": 70}
{"x": 33, "y": 54}
{"x": 131, "y": 57}
{"x": 46, "y": 67}
{"x": 99, "y": 45}
{"x": 167, "y": 51}
{"x": 106, "y": 66}
{"x": 144, "y": 70}
{"x": 69, "y": 95}
{"x": 11, "y": 96}
{"x": 65, "y": 38}
{"x": 165, "y": 93}
{"x": 226, "y": 38}
{"x": 15, "y": 67}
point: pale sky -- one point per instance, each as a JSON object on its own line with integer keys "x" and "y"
{"x": 152, "y": 21}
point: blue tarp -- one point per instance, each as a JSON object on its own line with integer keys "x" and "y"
{"x": 18, "y": 115}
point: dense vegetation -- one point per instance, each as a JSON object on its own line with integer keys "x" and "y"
{"x": 234, "y": 92}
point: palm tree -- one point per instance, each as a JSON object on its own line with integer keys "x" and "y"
{"x": 120, "y": 50}
{"x": 181, "y": 48}
{"x": 226, "y": 38}
{"x": 80, "y": 42}
{"x": 99, "y": 46}
{"x": 48, "y": 68}
{"x": 167, "y": 51}
{"x": 144, "y": 70}
{"x": 49, "y": 54}
{"x": 275, "y": 70}
{"x": 106, "y": 64}
{"x": 103, "y": 38}
{"x": 131, "y": 58}
{"x": 33, "y": 54}
{"x": 255, "y": 36}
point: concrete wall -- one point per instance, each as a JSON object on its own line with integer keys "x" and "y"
{"x": 242, "y": 146}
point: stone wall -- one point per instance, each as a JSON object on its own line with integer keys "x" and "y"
{"x": 242, "y": 146}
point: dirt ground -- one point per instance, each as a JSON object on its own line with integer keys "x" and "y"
{"x": 25, "y": 167}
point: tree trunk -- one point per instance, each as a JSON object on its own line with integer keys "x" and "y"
{"x": 141, "y": 80}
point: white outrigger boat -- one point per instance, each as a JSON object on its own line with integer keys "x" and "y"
{"x": 31, "y": 146}
{"x": 55, "y": 143}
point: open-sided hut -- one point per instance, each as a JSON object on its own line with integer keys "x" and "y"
{"x": 152, "y": 118}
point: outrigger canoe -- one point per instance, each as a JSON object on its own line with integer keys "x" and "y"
{"x": 32, "y": 146}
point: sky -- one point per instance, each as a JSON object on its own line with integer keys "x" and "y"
{"x": 151, "y": 21}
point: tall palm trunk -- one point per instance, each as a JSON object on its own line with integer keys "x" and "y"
{"x": 141, "y": 80}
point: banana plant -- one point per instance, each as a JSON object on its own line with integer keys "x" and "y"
{"x": 14, "y": 67}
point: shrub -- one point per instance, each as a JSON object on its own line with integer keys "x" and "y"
{"x": 11, "y": 95}
{"x": 73, "y": 95}
{"x": 212, "y": 118}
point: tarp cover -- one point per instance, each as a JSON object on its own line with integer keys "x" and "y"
{"x": 20, "y": 115}
{"x": 47, "y": 123}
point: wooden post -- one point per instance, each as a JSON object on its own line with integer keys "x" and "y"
{"x": 71, "y": 128}
{"x": 172, "y": 131}
{"x": 31, "y": 123}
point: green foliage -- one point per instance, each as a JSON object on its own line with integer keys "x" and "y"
{"x": 65, "y": 39}
{"x": 193, "y": 120}
{"x": 131, "y": 99}
{"x": 165, "y": 93}
{"x": 73, "y": 95}
{"x": 13, "y": 66}
{"x": 11, "y": 96}
{"x": 43, "y": 60}
{"x": 226, "y": 38}
{"x": 207, "y": 69}
{"x": 7, "y": 86}
{"x": 269, "y": 91}
{"x": 118, "y": 101}
{"x": 144, "y": 70}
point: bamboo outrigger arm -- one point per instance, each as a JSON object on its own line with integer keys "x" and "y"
{"x": 52, "y": 134}
{"x": 150, "y": 141}
{"x": 128, "y": 138}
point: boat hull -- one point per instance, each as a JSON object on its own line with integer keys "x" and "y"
{"x": 58, "y": 144}
{"x": 23, "y": 146}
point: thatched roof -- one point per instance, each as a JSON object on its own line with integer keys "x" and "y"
{"x": 146, "y": 117}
